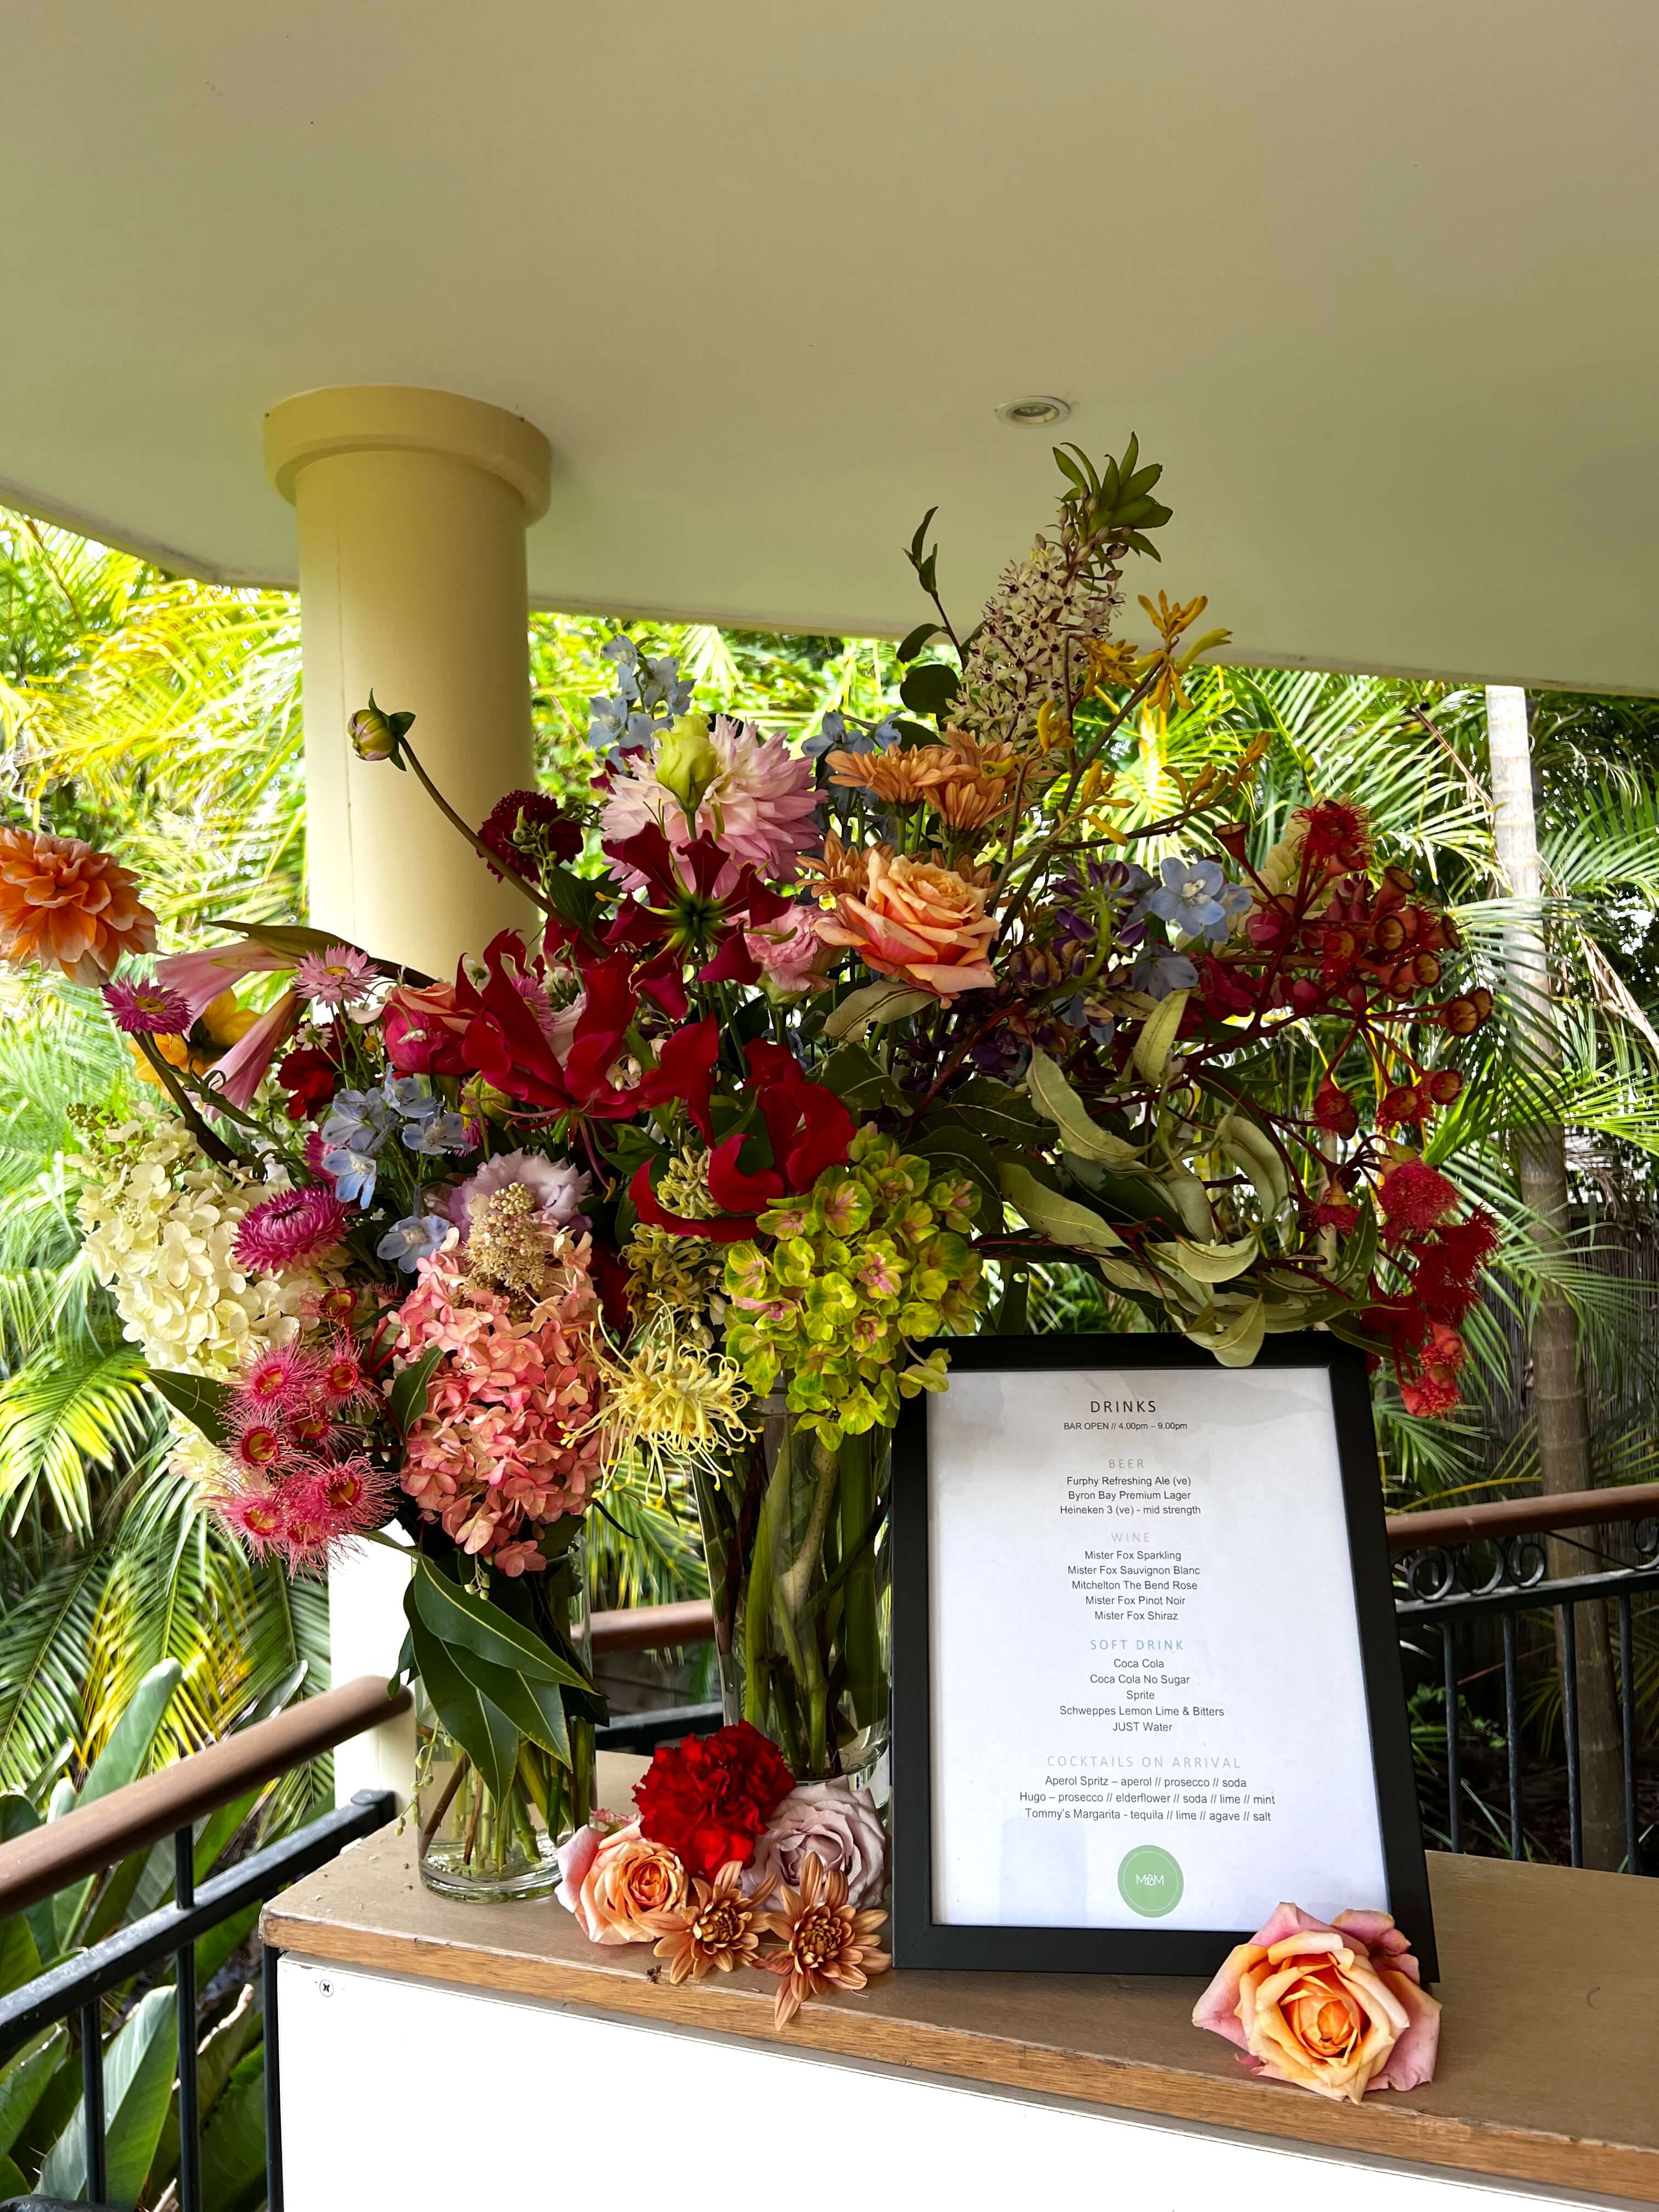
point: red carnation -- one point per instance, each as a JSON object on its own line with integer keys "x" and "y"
{"x": 709, "y": 1797}
{"x": 1415, "y": 1197}
{"x": 527, "y": 829}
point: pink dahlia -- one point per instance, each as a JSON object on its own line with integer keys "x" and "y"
{"x": 338, "y": 977}
{"x": 146, "y": 1009}
{"x": 761, "y": 806}
{"x": 287, "y": 1229}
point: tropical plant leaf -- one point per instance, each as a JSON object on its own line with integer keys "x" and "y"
{"x": 138, "y": 2071}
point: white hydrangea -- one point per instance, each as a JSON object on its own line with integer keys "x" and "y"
{"x": 160, "y": 1220}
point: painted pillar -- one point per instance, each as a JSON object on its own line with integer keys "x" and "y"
{"x": 411, "y": 507}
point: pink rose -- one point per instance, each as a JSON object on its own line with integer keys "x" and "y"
{"x": 1337, "y": 2008}
{"x": 615, "y": 1879}
{"x": 836, "y": 1823}
{"x": 790, "y": 955}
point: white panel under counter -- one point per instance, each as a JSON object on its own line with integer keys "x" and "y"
{"x": 437, "y": 2053}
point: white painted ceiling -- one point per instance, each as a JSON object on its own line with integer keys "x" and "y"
{"x": 1376, "y": 281}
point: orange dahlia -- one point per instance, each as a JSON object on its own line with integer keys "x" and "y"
{"x": 825, "y": 1943}
{"x": 66, "y": 907}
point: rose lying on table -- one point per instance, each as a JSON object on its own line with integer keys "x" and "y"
{"x": 1337, "y": 2008}
{"x": 721, "y": 1827}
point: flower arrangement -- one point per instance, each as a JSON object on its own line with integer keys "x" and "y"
{"x": 812, "y": 1049}
{"x": 720, "y": 1829}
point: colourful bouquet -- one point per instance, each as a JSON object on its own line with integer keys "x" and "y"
{"x": 811, "y": 1051}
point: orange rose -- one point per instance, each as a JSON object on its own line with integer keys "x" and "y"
{"x": 919, "y": 923}
{"x": 628, "y": 1878}
{"x": 66, "y": 907}
{"x": 1334, "y": 2007}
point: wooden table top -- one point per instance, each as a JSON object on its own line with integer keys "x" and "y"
{"x": 1549, "y": 2048}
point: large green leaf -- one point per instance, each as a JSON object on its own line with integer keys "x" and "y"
{"x": 536, "y": 1708}
{"x": 20, "y": 1954}
{"x": 138, "y": 2076}
{"x": 216, "y": 2058}
{"x": 869, "y": 1007}
{"x": 860, "y": 1081}
{"x": 455, "y": 1616}
{"x": 233, "y": 2141}
{"x": 1001, "y": 1114}
{"x": 482, "y": 1730}
{"x": 407, "y": 1401}
{"x": 24, "y": 2081}
{"x": 203, "y": 1402}
{"x": 949, "y": 1141}
{"x": 122, "y": 1761}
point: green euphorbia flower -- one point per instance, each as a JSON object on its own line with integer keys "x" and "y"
{"x": 873, "y": 1256}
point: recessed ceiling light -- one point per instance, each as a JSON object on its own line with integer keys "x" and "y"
{"x": 1035, "y": 412}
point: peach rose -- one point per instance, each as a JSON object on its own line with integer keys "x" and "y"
{"x": 66, "y": 907}
{"x": 613, "y": 1882}
{"x": 917, "y": 922}
{"x": 1337, "y": 2008}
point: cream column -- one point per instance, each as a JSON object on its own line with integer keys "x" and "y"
{"x": 411, "y": 507}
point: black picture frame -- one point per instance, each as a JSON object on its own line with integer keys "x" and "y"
{"x": 920, "y": 1941}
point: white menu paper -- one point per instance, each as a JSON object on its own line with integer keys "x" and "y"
{"x": 1148, "y": 1705}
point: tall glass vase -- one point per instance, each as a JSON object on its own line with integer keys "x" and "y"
{"x": 476, "y": 1842}
{"x": 795, "y": 1536}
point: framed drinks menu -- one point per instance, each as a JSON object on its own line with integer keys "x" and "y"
{"x": 1147, "y": 1678}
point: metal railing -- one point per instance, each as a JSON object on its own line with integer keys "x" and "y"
{"x": 98, "y": 1836}
{"x": 1466, "y": 1579}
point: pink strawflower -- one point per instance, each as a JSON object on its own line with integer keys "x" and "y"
{"x": 790, "y": 955}
{"x": 761, "y": 806}
{"x": 280, "y": 1381}
{"x": 507, "y": 1440}
{"x": 289, "y": 1229}
{"x": 338, "y": 977}
{"x": 146, "y": 1009}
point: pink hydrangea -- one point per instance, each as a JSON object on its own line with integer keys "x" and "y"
{"x": 507, "y": 1442}
{"x": 761, "y": 805}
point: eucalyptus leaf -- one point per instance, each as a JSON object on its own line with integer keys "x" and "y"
{"x": 871, "y": 1005}
{"x": 535, "y": 1709}
{"x": 1157, "y": 1034}
{"x": 1057, "y": 1101}
{"x": 1210, "y": 1262}
{"x": 1061, "y": 1219}
{"x": 1254, "y": 1153}
{"x": 860, "y": 1081}
{"x": 1234, "y": 1338}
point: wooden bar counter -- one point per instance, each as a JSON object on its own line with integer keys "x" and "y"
{"x": 1549, "y": 2055}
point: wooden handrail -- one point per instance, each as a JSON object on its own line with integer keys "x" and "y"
{"x": 59, "y": 1852}
{"x": 660, "y": 1627}
{"x": 1522, "y": 1517}
{"x": 654, "y": 1627}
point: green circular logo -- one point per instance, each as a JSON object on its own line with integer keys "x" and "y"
{"x": 1149, "y": 1881}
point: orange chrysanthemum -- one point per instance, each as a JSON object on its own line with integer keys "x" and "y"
{"x": 66, "y": 907}
{"x": 896, "y": 774}
{"x": 714, "y": 1926}
{"x": 825, "y": 1943}
{"x": 842, "y": 868}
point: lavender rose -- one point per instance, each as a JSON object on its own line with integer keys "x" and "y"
{"x": 836, "y": 1823}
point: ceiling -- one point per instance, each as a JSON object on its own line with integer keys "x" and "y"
{"x": 1377, "y": 284}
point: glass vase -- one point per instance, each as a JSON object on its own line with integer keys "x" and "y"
{"x": 475, "y": 1845}
{"x": 795, "y": 1536}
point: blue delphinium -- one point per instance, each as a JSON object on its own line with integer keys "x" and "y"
{"x": 440, "y": 1133}
{"x": 1197, "y": 899}
{"x": 411, "y": 1240}
{"x": 1159, "y": 971}
{"x": 353, "y": 1172}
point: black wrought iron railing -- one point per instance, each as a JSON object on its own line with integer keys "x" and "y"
{"x": 86, "y": 1843}
{"x": 1521, "y": 1621}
